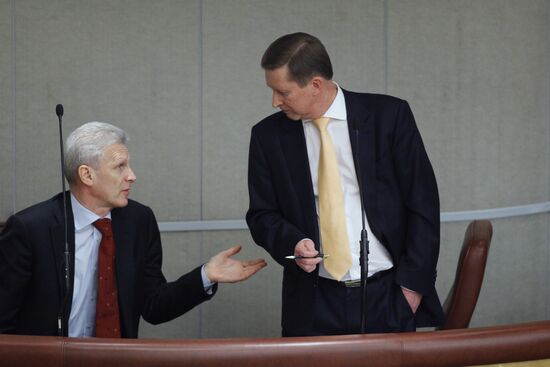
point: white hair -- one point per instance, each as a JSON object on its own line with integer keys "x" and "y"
{"x": 86, "y": 144}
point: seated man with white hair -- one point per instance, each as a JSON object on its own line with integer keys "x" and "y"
{"x": 115, "y": 248}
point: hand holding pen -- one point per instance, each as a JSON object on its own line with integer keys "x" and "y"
{"x": 306, "y": 256}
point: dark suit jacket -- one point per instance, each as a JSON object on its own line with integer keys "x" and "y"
{"x": 399, "y": 192}
{"x": 32, "y": 285}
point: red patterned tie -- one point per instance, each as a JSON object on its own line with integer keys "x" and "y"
{"x": 107, "y": 318}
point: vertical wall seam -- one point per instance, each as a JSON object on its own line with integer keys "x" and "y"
{"x": 201, "y": 143}
{"x": 386, "y": 52}
{"x": 201, "y": 108}
{"x": 14, "y": 109}
{"x": 547, "y": 118}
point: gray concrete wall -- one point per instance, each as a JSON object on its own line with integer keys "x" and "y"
{"x": 183, "y": 78}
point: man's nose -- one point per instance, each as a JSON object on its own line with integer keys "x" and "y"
{"x": 131, "y": 175}
{"x": 275, "y": 100}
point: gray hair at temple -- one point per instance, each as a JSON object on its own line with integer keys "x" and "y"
{"x": 86, "y": 144}
{"x": 304, "y": 55}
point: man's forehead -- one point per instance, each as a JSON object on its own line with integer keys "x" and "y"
{"x": 116, "y": 151}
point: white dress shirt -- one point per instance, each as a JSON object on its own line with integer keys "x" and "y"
{"x": 379, "y": 258}
{"x": 87, "y": 240}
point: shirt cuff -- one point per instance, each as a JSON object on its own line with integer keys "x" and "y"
{"x": 206, "y": 283}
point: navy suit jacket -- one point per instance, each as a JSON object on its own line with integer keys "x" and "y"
{"x": 32, "y": 286}
{"x": 399, "y": 193}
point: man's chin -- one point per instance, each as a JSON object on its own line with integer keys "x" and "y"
{"x": 292, "y": 116}
{"x": 122, "y": 203}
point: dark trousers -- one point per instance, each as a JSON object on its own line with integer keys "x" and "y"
{"x": 337, "y": 308}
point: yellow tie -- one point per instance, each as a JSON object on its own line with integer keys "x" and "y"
{"x": 334, "y": 234}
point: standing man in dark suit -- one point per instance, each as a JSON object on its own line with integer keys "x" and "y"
{"x": 305, "y": 198}
{"x": 115, "y": 247}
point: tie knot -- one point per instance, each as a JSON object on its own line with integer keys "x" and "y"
{"x": 321, "y": 123}
{"x": 104, "y": 226}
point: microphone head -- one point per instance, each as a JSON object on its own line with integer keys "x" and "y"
{"x": 354, "y": 125}
{"x": 59, "y": 110}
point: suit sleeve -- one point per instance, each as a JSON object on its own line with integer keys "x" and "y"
{"x": 417, "y": 267}
{"x": 15, "y": 272}
{"x": 265, "y": 218}
{"x": 164, "y": 301}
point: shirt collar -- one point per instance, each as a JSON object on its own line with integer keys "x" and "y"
{"x": 337, "y": 110}
{"x": 83, "y": 216}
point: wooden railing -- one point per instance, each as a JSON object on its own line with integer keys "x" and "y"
{"x": 463, "y": 347}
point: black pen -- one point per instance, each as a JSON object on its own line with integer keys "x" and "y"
{"x": 292, "y": 257}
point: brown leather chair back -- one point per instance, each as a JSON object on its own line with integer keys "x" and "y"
{"x": 462, "y": 298}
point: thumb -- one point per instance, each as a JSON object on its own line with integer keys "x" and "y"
{"x": 309, "y": 245}
{"x": 231, "y": 251}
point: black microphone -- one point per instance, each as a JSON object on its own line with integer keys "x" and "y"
{"x": 59, "y": 111}
{"x": 364, "y": 241}
{"x": 62, "y": 319}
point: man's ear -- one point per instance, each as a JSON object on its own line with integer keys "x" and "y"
{"x": 317, "y": 83}
{"x": 86, "y": 174}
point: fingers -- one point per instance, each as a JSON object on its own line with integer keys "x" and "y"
{"x": 413, "y": 298}
{"x": 308, "y": 265}
{"x": 309, "y": 246}
{"x": 254, "y": 262}
{"x": 310, "y": 262}
{"x": 252, "y": 269}
{"x": 222, "y": 268}
{"x": 306, "y": 247}
{"x": 241, "y": 270}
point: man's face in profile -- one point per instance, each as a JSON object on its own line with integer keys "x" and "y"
{"x": 113, "y": 177}
{"x": 291, "y": 98}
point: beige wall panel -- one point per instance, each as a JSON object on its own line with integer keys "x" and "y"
{"x": 248, "y": 309}
{"x": 235, "y": 35}
{"x": 133, "y": 63}
{"x": 514, "y": 288}
{"x": 181, "y": 254}
{"x": 516, "y": 284}
{"x": 6, "y": 106}
{"x": 476, "y": 75}
{"x": 183, "y": 78}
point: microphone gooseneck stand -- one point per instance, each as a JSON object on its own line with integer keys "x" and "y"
{"x": 364, "y": 240}
{"x": 62, "y": 319}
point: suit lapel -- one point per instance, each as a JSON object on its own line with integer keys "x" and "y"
{"x": 364, "y": 136}
{"x": 57, "y": 237}
{"x": 295, "y": 151}
{"x": 124, "y": 255}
